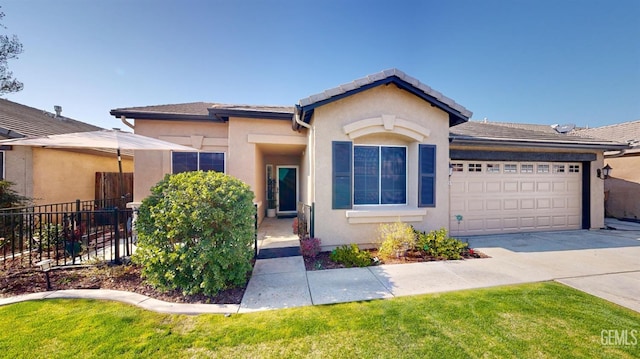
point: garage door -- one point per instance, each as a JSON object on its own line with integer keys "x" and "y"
{"x": 509, "y": 197}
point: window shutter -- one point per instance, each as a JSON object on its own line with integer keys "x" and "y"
{"x": 427, "y": 173}
{"x": 341, "y": 174}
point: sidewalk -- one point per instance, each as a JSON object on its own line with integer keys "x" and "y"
{"x": 603, "y": 263}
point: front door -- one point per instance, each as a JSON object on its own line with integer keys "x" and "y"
{"x": 287, "y": 189}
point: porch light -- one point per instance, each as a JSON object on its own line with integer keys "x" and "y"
{"x": 605, "y": 172}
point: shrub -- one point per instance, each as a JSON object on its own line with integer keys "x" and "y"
{"x": 438, "y": 244}
{"x": 310, "y": 247}
{"x": 49, "y": 235}
{"x": 395, "y": 239}
{"x": 351, "y": 256}
{"x": 195, "y": 233}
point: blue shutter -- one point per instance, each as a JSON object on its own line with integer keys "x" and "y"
{"x": 427, "y": 173}
{"x": 341, "y": 175}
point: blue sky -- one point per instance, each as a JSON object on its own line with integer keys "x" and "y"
{"x": 537, "y": 61}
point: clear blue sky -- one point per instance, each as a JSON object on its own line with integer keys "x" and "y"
{"x": 535, "y": 61}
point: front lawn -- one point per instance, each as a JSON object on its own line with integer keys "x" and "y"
{"x": 524, "y": 321}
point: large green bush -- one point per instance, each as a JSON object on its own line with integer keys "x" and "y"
{"x": 438, "y": 244}
{"x": 195, "y": 233}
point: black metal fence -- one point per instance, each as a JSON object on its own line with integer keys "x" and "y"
{"x": 66, "y": 233}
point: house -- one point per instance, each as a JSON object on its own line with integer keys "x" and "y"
{"x": 50, "y": 175}
{"x": 384, "y": 148}
{"x": 622, "y": 188}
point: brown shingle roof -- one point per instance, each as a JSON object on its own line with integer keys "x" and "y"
{"x": 17, "y": 120}
{"x": 480, "y": 131}
{"x": 199, "y": 110}
{"x": 622, "y": 132}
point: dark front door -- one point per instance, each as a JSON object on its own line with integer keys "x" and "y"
{"x": 287, "y": 189}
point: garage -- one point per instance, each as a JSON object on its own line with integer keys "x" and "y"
{"x": 509, "y": 196}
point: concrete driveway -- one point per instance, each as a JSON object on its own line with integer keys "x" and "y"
{"x": 605, "y": 263}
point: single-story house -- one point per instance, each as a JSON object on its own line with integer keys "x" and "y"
{"x": 622, "y": 187}
{"x": 45, "y": 174}
{"x": 383, "y": 148}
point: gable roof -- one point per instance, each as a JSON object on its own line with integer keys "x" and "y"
{"x": 628, "y": 132}
{"x": 457, "y": 113}
{"x": 494, "y": 134}
{"x": 17, "y": 120}
{"x": 204, "y": 111}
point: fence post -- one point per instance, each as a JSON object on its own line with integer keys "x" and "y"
{"x": 116, "y": 235}
{"x": 312, "y": 230}
{"x": 255, "y": 231}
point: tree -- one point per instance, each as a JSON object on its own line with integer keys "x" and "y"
{"x": 10, "y": 48}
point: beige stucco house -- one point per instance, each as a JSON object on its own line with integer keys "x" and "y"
{"x": 622, "y": 187}
{"x": 50, "y": 175}
{"x": 383, "y": 148}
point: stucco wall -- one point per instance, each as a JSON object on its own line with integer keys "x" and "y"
{"x": 624, "y": 187}
{"x": 151, "y": 166}
{"x": 18, "y": 168}
{"x": 64, "y": 176}
{"x": 337, "y": 227}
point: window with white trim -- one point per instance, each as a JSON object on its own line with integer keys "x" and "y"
{"x": 558, "y": 168}
{"x": 457, "y": 167}
{"x": 510, "y": 168}
{"x": 379, "y": 175}
{"x": 543, "y": 168}
{"x": 475, "y": 167}
{"x": 526, "y": 168}
{"x": 197, "y": 161}
{"x": 574, "y": 168}
{"x": 493, "y": 168}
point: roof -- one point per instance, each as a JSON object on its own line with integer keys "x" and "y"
{"x": 457, "y": 113}
{"x": 17, "y": 120}
{"x": 205, "y": 111}
{"x": 492, "y": 133}
{"x": 531, "y": 127}
{"x": 628, "y": 132}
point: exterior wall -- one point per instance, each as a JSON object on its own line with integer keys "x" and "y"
{"x": 64, "y": 176}
{"x": 249, "y": 145}
{"x": 151, "y": 166}
{"x": 338, "y": 227}
{"x": 623, "y": 187}
{"x": 597, "y": 185}
{"x": 19, "y": 169}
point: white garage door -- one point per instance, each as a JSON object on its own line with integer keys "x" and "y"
{"x": 509, "y": 197}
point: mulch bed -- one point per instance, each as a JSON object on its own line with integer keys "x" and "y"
{"x": 16, "y": 280}
{"x": 323, "y": 260}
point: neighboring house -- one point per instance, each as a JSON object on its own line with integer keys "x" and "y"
{"x": 380, "y": 149}
{"x": 622, "y": 188}
{"x": 50, "y": 175}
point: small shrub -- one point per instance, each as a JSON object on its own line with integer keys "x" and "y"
{"x": 310, "y": 247}
{"x": 49, "y": 235}
{"x": 395, "y": 239}
{"x": 195, "y": 233}
{"x": 351, "y": 256}
{"x": 438, "y": 244}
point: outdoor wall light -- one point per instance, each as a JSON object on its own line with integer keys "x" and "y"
{"x": 605, "y": 172}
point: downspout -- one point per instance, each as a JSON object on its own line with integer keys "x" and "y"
{"x": 127, "y": 123}
{"x": 296, "y": 118}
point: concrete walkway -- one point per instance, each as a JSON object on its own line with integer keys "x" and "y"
{"x": 605, "y": 263}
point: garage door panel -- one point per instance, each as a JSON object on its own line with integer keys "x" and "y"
{"x": 512, "y": 200}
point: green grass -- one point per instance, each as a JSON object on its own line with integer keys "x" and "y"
{"x": 526, "y": 321}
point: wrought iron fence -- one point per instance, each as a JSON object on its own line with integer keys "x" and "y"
{"x": 305, "y": 220}
{"x": 66, "y": 233}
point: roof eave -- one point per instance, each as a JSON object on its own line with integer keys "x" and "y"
{"x": 455, "y": 117}
{"x": 465, "y": 140}
{"x": 224, "y": 114}
{"x": 140, "y": 115}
